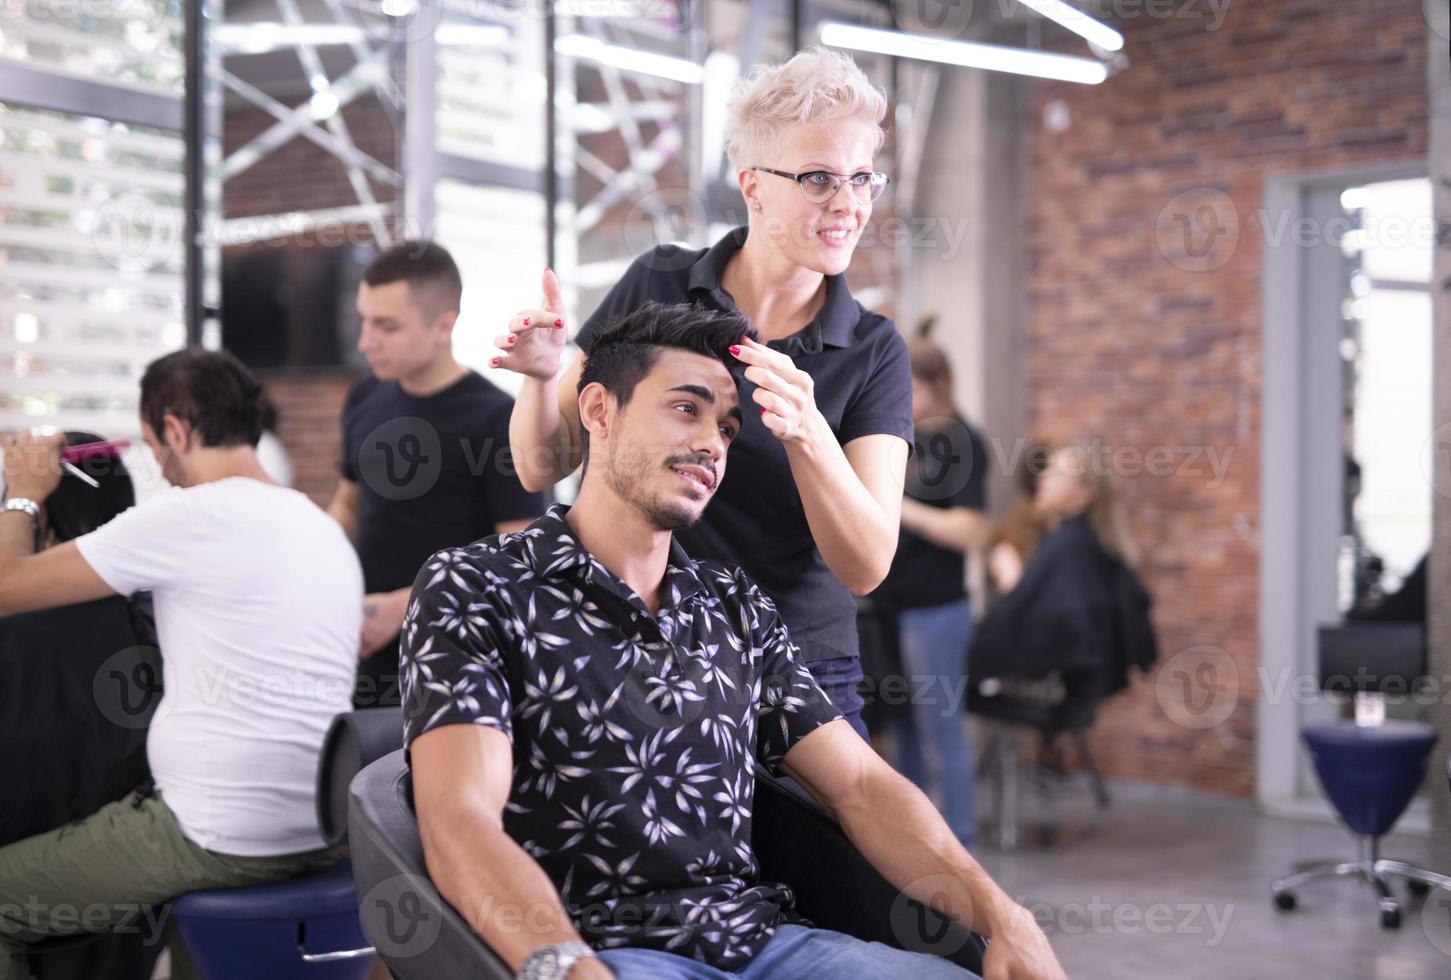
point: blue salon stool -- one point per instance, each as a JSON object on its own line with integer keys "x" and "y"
{"x": 1370, "y": 773}
{"x": 305, "y": 928}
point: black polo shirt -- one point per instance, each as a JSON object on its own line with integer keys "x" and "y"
{"x": 863, "y": 386}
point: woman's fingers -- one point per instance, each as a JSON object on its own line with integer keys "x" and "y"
{"x": 766, "y": 378}
{"x": 553, "y": 295}
{"x": 535, "y": 319}
{"x": 759, "y": 355}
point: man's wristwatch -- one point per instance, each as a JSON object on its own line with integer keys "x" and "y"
{"x": 28, "y": 506}
{"x": 553, "y": 962}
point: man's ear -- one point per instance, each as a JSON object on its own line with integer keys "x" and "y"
{"x": 176, "y": 435}
{"x": 444, "y": 324}
{"x": 596, "y": 411}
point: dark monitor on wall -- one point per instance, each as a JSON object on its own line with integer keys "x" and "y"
{"x": 1362, "y": 657}
{"x": 293, "y": 307}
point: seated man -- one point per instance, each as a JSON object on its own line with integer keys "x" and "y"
{"x": 583, "y": 703}
{"x": 258, "y": 597}
{"x": 78, "y": 686}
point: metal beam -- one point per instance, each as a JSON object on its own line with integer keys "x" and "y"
{"x": 41, "y": 88}
{"x": 194, "y": 167}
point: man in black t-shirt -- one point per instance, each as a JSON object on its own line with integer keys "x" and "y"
{"x": 425, "y": 448}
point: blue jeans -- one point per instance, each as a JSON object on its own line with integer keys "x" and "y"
{"x": 934, "y": 643}
{"x": 792, "y": 953}
{"x": 838, "y": 679}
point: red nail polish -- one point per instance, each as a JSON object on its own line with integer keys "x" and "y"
{"x": 763, "y": 413}
{"x": 494, "y": 362}
{"x": 559, "y": 323}
{"x": 734, "y": 350}
{"x": 526, "y": 321}
{"x": 513, "y": 337}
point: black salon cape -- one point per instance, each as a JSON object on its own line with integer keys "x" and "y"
{"x": 1075, "y": 609}
{"x": 78, "y": 685}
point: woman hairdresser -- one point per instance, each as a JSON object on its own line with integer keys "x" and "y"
{"x": 810, "y": 504}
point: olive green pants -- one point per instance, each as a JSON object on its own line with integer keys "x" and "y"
{"x": 114, "y": 871}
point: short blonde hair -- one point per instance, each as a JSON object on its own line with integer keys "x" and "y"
{"x": 817, "y": 85}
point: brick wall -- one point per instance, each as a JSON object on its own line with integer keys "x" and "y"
{"x": 1143, "y": 338}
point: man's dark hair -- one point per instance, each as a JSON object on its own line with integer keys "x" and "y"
{"x": 75, "y": 508}
{"x": 211, "y": 390}
{"x": 427, "y": 268}
{"x": 625, "y": 351}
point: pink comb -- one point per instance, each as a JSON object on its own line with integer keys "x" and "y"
{"x": 86, "y": 450}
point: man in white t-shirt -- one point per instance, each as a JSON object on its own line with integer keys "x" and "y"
{"x": 258, "y": 600}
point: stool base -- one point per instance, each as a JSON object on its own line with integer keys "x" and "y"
{"x": 1369, "y": 868}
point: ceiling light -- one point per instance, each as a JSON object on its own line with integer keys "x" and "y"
{"x": 965, "y": 54}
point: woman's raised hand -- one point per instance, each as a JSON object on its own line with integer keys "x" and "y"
{"x": 536, "y": 336}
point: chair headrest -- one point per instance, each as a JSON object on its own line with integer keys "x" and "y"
{"x": 355, "y": 739}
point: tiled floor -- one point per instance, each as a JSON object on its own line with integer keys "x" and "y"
{"x": 1175, "y": 886}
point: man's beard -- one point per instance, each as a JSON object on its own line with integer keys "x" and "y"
{"x": 628, "y": 477}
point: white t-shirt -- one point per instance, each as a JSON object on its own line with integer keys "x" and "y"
{"x": 258, "y": 598}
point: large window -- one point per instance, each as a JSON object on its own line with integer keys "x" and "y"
{"x": 90, "y": 210}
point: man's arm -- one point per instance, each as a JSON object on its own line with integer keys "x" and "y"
{"x": 897, "y": 829}
{"x": 343, "y": 508}
{"x": 56, "y": 577}
{"x": 461, "y": 779}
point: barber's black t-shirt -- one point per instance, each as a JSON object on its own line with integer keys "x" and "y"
{"x": 948, "y": 469}
{"x": 432, "y": 472}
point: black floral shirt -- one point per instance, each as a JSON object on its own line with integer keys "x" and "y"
{"x": 633, "y": 734}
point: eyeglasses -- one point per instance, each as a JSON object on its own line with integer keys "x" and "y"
{"x": 820, "y": 186}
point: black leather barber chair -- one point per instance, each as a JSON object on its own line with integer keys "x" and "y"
{"x": 421, "y": 937}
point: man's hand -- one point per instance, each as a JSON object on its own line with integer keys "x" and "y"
{"x": 382, "y": 620}
{"x": 535, "y": 340}
{"x": 1020, "y": 951}
{"x": 32, "y": 464}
